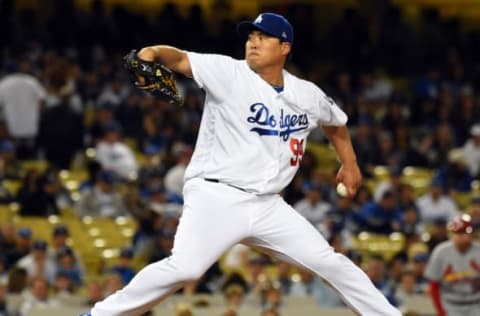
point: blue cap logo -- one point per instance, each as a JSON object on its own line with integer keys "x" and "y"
{"x": 270, "y": 23}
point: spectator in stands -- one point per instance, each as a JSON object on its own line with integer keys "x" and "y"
{"x": 101, "y": 200}
{"x": 364, "y": 144}
{"x": 312, "y": 207}
{"x": 310, "y": 286}
{"x": 22, "y": 247}
{"x": 355, "y": 256}
{"x": 37, "y": 195}
{"x": 342, "y": 219}
{"x": 374, "y": 88}
{"x": 234, "y": 296}
{"x": 60, "y": 236}
{"x": 22, "y": 97}
{"x": 17, "y": 280}
{"x": 406, "y": 197}
{"x": 283, "y": 277}
{"x": 153, "y": 169}
{"x": 154, "y": 134}
{"x": 3, "y": 301}
{"x": 190, "y": 117}
{"x": 377, "y": 273}
{"x": 68, "y": 266}
{"x": 114, "y": 155}
{"x": 163, "y": 245}
{"x": 435, "y": 204}
{"x": 93, "y": 168}
{"x": 61, "y": 131}
{"x": 5, "y": 195}
{"x": 124, "y": 267}
{"x": 443, "y": 143}
{"x": 455, "y": 174}
{"x": 113, "y": 283}
{"x": 37, "y": 263}
{"x": 382, "y": 215}
{"x": 419, "y": 263}
{"x": 256, "y": 278}
{"x": 438, "y": 233}
{"x": 393, "y": 182}
{"x": 54, "y": 189}
{"x": 474, "y": 211}
{"x": 103, "y": 115}
{"x": 63, "y": 287}
{"x": 3, "y": 270}
{"x": 159, "y": 202}
{"x": 271, "y": 298}
{"x": 422, "y": 152}
{"x": 395, "y": 267}
{"x": 174, "y": 176}
{"x": 411, "y": 224}
{"x": 150, "y": 224}
{"x": 471, "y": 150}
{"x": 406, "y": 287}
{"x": 361, "y": 198}
{"x": 94, "y": 293}
{"x": 89, "y": 87}
{"x": 114, "y": 92}
{"x": 39, "y": 297}
{"x": 130, "y": 115}
{"x": 387, "y": 154}
{"x": 7, "y": 237}
{"x": 11, "y": 167}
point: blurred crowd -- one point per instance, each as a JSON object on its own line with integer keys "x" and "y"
{"x": 411, "y": 93}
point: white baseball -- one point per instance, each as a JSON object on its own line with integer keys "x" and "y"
{"x": 342, "y": 189}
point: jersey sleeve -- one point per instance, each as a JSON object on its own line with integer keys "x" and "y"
{"x": 329, "y": 112}
{"x": 433, "y": 271}
{"x": 211, "y": 71}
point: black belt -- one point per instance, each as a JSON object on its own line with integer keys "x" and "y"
{"x": 218, "y": 181}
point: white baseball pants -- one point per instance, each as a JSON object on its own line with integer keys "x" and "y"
{"x": 217, "y": 216}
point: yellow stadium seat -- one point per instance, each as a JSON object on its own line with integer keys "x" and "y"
{"x": 38, "y": 165}
{"x": 381, "y": 173}
{"x": 12, "y": 186}
{"x": 462, "y": 199}
{"x": 374, "y": 244}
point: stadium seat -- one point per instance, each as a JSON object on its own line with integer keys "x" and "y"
{"x": 462, "y": 199}
{"x": 420, "y": 304}
{"x": 374, "y": 244}
{"x": 38, "y": 165}
{"x": 381, "y": 173}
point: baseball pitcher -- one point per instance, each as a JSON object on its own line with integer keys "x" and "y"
{"x": 252, "y": 137}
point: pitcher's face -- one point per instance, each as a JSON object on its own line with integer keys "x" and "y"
{"x": 263, "y": 50}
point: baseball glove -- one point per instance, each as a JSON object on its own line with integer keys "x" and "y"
{"x": 152, "y": 77}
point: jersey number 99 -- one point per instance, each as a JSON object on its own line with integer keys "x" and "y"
{"x": 296, "y": 146}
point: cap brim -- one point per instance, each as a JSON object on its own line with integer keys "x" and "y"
{"x": 244, "y": 28}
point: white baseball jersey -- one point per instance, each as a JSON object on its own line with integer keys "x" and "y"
{"x": 251, "y": 136}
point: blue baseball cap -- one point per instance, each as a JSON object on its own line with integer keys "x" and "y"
{"x": 60, "y": 230}
{"x": 24, "y": 232}
{"x": 270, "y": 23}
{"x": 126, "y": 253}
{"x": 39, "y": 244}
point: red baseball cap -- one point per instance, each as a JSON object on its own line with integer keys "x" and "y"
{"x": 461, "y": 224}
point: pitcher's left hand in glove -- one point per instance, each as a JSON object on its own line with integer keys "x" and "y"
{"x": 152, "y": 77}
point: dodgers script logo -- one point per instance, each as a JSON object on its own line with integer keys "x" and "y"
{"x": 268, "y": 124}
